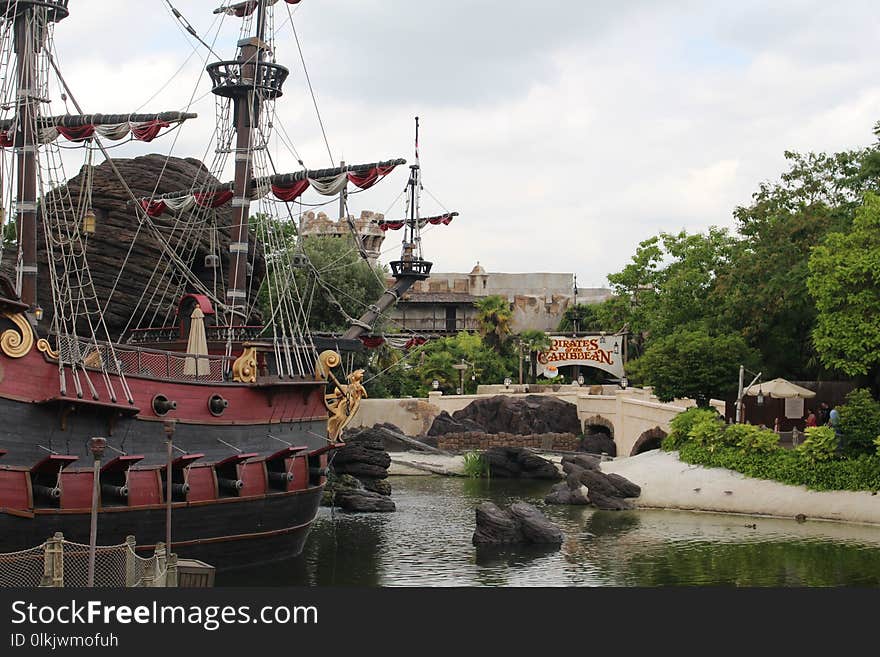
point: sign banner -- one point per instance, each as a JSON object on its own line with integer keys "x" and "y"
{"x": 604, "y": 352}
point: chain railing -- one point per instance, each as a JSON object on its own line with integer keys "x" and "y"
{"x": 62, "y": 563}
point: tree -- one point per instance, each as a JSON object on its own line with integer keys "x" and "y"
{"x": 533, "y": 341}
{"x": 764, "y": 291}
{"x": 581, "y": 317}
{"x": 486, "y": 365}
{"x": 691, "y": 362}
{"x": 494, "y": 315}
{"x": 844, "y": 281}
{"x": 338, "y": 272}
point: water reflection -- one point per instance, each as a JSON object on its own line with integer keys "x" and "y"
{"x": 427, "y": 542}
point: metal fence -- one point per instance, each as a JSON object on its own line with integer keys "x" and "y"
{"x": 62, "y": 563}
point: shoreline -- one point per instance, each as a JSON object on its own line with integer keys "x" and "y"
{"x": 670, "y": 484}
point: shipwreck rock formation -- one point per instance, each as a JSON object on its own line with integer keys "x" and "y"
{"x": 117, "y": 238}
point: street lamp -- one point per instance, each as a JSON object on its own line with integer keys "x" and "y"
{"x": 624, "y": 382}
{"x": 507, "y": 382}
{"x": 580, "y": 379}
{"x": 435, "y": 384}
{"x": 461, "y": 367}
{"x": 760, "y": 398}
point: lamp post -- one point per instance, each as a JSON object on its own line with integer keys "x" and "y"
{"x": 580, "y": 379}
{"x": 461, "y": 367}
{"x": 96, "y": 446}
{"x": 742, "y": 390}
{"x": 435, "y": 384}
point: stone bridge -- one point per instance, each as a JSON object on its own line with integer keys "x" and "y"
{"x": 634, "y": 418}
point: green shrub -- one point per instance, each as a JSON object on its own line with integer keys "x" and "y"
{"x": 790, "y": 467}
{"x": 707, "y": 431}
{"x": 859, "y": 422}
{"x": 475, "y": 465}
{"x": 820, "y": 445}
{"x": 749, "y": 438}
{"x": 681, "y": 425}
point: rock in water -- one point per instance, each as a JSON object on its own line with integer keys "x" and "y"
{"x": 495, "y": 526}
{"x": 562, "y": 493}
{"x": 363, "y": 501}
{"x": 535, "y": 526}
{"x": 624, "y": 486}
{"x": 522, "y": 523}
{"x": 519, "y": 463}
{"x": 585, "y": 461}
{"x": 524, "y": 416}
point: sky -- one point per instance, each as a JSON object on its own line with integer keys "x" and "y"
{"x": 564, "y": 132}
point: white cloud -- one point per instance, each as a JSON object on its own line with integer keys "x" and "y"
{"x": 565, "y": 133}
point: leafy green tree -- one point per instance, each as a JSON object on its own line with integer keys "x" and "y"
{"x": 764, "y": 291}
{"x": 668, "y": 283}
{"x": 582, "y": 316}
{"x": 486, "y": 364}
{"x": 844, "y": 281}
{"x": 338, "y": 273}
{"x": 494, "y": 316}
{"x": 691, "y": 362}
{"x": 532, "y": 341}
{"x": 859, "y": 422}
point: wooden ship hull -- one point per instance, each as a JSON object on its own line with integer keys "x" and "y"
{"x": 248, "y": 475}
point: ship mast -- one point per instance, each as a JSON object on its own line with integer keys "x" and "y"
{"x": 30, "y": 21}
{"x": 247, "y": 80}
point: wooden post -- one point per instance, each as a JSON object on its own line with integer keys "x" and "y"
{"x": 130, "y": 562}
{"x": 161, "y": 565}
{"x": 171, "y": 577}
{"x": 149, "y": 574}
{"x": 53, "y": 562}
{"x": 96, "y": 445}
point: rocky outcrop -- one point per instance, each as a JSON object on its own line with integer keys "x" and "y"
{"x": 358, "y": 473}
{"x": 585, "y": 483}
{"x": 519, "y": 463}
{"x": 391, "y": 437}
{"x": 445, "y": 423}
{"x": 533, "y": 414}
{"x": 521, "y": 523}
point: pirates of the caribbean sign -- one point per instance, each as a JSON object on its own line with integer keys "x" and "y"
{"x": 604, "y": 352}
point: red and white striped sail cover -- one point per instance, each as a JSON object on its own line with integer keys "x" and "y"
{"x": 397, "y": 224}
{"x": 330, "y": 186}
{"x": 144, "y": 131}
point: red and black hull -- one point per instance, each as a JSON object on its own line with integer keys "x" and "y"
{"x": 267, "y": 429}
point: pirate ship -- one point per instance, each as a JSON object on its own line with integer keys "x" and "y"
{"x": 147, "y": 332}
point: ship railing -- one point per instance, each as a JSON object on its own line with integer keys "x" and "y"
{"x": 59, "y": 562}
{"x": 212, "y": 333}
{"x": 133, "y": 360}
{"x": 141, "y": 361}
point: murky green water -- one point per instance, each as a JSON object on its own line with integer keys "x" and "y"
{"x": 427, "y": 542}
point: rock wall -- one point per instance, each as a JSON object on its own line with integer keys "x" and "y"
{"x": 457, "y": 442}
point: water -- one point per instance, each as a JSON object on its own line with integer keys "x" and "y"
{"x": 427, "y": 542}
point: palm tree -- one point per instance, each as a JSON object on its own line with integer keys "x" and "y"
{"x": 533, "y": 341}
{"x": 494, "y": 315}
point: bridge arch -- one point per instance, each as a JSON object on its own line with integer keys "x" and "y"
{"x": 599, "y": 424}
{"x": 649, "y": 440}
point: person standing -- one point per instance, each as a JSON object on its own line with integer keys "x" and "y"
{"x": 822, "y": 417}
{"x": 812, "y": 421}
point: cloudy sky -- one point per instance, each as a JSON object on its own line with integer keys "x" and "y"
{"x": 563, "y": 131}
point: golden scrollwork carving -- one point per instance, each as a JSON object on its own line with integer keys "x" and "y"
{"x": 244, "y": 369}
{"x": 345, "y": 400}
{"x": 17, "y": 344}
{"x": 44, "y": 347}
